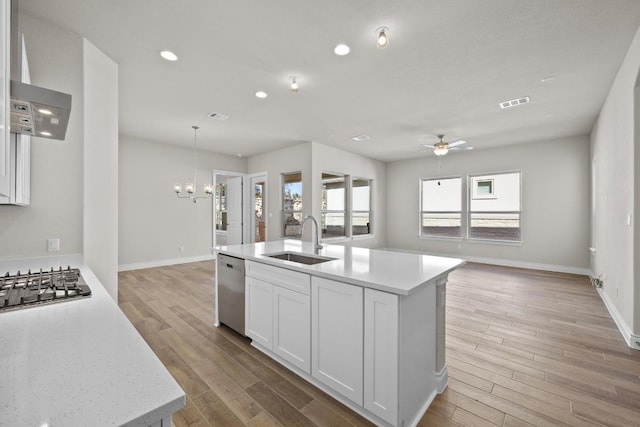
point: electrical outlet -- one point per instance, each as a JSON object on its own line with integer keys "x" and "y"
{"x": 53, "y": 245}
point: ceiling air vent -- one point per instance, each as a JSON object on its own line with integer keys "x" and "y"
{"x": 218, "y": 116}
{"x": 514, "y": 102}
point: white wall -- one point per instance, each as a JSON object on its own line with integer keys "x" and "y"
{"x": 615, "y": 153}
{"x": 275, "y": 163}
{"x": 100, "y": 231}
{"x": 153, "y": 222}
{"x": 312, "y": 159}
{"x": 555, "y": 203}
{"x": 56, "y": 211}
{"x": 329, "y": 159}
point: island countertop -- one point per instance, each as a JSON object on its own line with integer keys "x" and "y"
{"x": 79, "y": 362}
{"x": 396, "y": 272}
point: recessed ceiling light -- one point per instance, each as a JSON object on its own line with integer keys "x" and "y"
{"x": 45, "y": 133}
{"x": 514, "y": 102}
{"x": 342, "y": 49}
{"x": 261, "y": 94}
{"x": 547, "y": 79}
{"x": 168, "y": 55}
{"x": 45, "y": 111}
{"x": 239, "y": 154}
{"x": 360, "y": 137}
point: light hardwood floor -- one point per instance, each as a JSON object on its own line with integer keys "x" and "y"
{"x": 524, "y": 347}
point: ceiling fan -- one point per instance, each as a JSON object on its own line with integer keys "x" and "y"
{"x": 441, "y": 148}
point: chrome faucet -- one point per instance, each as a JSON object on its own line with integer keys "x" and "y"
{"x": 316, "y": 244}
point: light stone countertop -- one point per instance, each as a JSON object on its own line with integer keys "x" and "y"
{"x": 78, "y": 363}
{"x": 396, "y": 272}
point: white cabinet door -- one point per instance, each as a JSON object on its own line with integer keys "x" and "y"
{"x": 381, "y": 354}
{"x": 292, "y": 327}
{"x": 259, "y": 311}
{"x": 5, "y": 55}
{"x": 337, "y": 336}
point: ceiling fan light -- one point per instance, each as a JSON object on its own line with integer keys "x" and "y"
{"x": 440, "y": 151}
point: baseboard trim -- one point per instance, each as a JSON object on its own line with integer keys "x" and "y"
{"x": 163, "y": 262}
{"x": 508, "y": 262}
{"x": 632, "y": 340}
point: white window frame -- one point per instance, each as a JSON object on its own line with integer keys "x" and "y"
{"x": 470, "y": 179}
{"x": 462, "y": 209}
{"x": 353, "y": 211}
{"x": 290, "y": 211}
{"x": 348, "y": 212}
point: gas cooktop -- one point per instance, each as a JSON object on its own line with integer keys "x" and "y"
{"x": 23, "y": 290}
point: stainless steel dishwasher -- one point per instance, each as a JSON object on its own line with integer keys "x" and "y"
{"x": 231, "y": 292}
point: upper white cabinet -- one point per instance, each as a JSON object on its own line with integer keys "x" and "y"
{"x": 337, "y": 336}
{"x": 5, "y": 60}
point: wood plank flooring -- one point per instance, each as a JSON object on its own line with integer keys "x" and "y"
{"x": 524, "y": 347}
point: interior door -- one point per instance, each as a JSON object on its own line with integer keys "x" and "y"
{"x": 234, "y": 210}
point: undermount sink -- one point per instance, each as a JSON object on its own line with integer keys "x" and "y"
{"x": 300, "y": 258}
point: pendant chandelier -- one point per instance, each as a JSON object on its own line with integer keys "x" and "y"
{"x": 190, "y": 188}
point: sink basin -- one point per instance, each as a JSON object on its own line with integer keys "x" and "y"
{"x": 300, "y": 258}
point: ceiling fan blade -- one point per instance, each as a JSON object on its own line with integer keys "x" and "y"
{"x": 460, "y": 148}
{"x": 428, "y": 146}
{"x": 458, "y": 142}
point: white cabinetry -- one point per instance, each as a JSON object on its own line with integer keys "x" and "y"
{"x": 291, "y": 326}
{"x": 337, "y": 336}
{"x": 278, "y": 312}
{"x": 5, "y": 55}
{"x": 259, "y": 311}
{"x": 381, "y": 354}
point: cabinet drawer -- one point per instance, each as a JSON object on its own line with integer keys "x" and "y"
{"x": 293, "y": 280}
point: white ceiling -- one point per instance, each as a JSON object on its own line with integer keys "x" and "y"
{"x": 448, "y": 65}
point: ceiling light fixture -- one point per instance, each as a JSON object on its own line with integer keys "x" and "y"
{"x": 361, "y": 137}
{"x": 168, "y": 55}
{"x": 190, "y": 187}
{"x": 382, "y": 40}
{"x": 341, "y": 50}
{"x": 514, "y": 102}
{"x": 260, "y": 94}
{"x": 440, "y": 148}
{"x": 294, "y": 87}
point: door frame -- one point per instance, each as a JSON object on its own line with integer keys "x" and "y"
{"x": 250, "y": 198}
{"x": 217, "y": 172}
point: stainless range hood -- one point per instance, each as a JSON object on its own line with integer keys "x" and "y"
{"x": 35, "y": 110}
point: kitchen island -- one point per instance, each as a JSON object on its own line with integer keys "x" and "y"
{"x": 364, "y": 325}
{"x": 79, "y": 362}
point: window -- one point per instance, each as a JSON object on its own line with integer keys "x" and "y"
{"x": 345, "y": 206}
{"x": 221, "y": 207}
{"x": 361, "y": 206}
{"x": 292, "y": 205}
{"x": 333, "y": 204}
{"x": 482, "y": 188}
{"x": 441, "y": 207}
{"x": 494, "y": 208}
